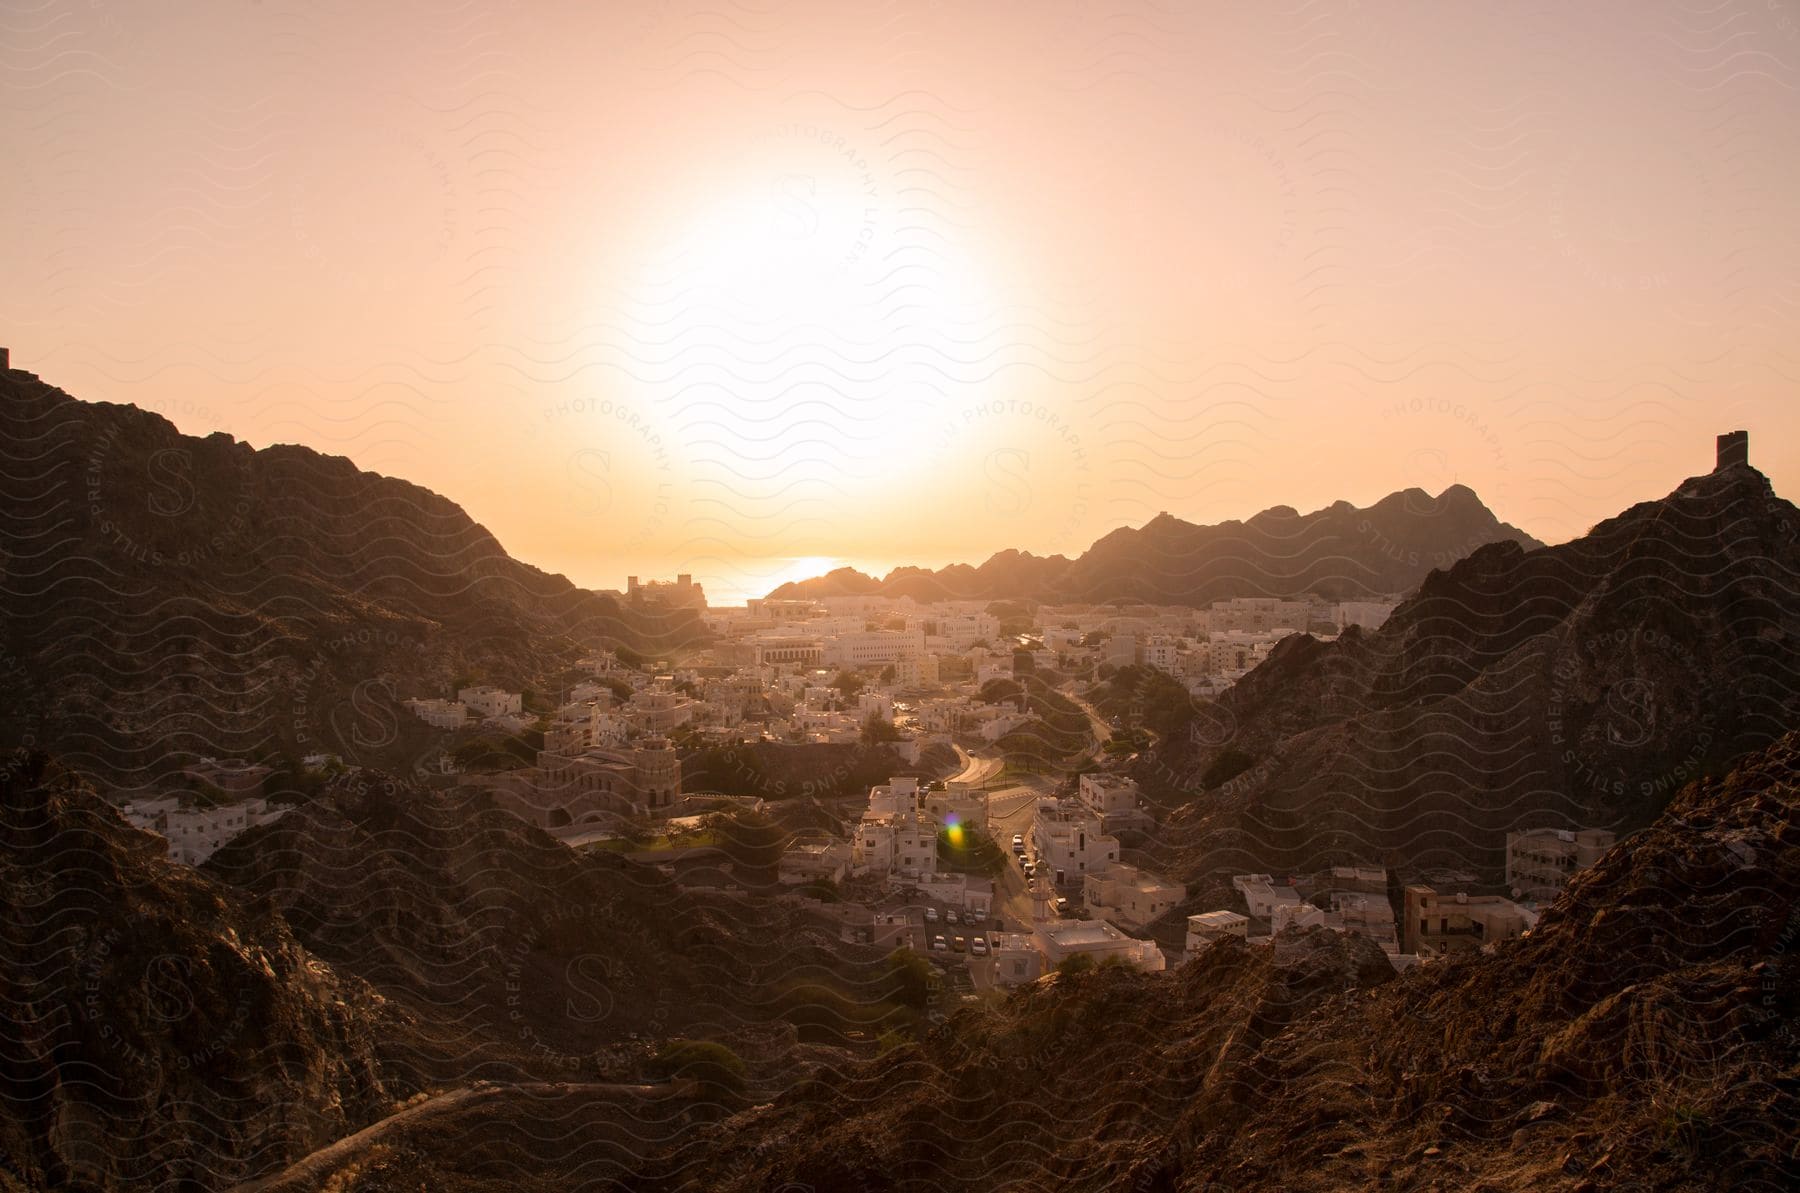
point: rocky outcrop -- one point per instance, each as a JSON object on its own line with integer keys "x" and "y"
{"x": 1340, "y": 553}
{"x": 1642, "y": 1037}
{"x": 159, "y": 1029}
{"x": 1581, "y": 684}
{"x": 512, "y": 955}
{"x": 167, "y": 595}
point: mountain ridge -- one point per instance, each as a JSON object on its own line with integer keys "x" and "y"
{"x": 1339, "y": 551}
{"x": 286, "y": 600}
{"x": 1576, "y": 685}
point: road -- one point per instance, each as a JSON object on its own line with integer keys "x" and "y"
{"x": 976, "y": 770}
{"x": 1010, "y": 811}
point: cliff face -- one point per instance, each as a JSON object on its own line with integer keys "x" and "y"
{"x": 1577, "y": 684}
{"x": 169, "y": 594}
{"x": 160, "y": 1031}
{"x": 1340, "y": 552}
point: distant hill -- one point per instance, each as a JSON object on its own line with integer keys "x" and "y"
{"x": 1581, "y": 684}
{"x": 167, "y": 596}
{"x": 1339, "y": 552}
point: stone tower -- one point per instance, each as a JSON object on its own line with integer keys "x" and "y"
{"x": 1734, "y": 448}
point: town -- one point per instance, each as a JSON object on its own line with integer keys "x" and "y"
{"x": 1007, "y": 839}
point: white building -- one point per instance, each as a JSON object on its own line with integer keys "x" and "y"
{"x": 1262, "y": 896}
{"x": 1061, "y": 939}
{"x": 814, "y": 862}
{"x": 1159, "y": 651}
{"x": 1130, "y": 897}
{"x": 1258, "y": 614}
{"x": 439, "y": 714}
{"x": 1071, "y": 840}
{"x": 873, "y": 648}
{"x": 958, "y": 803}
{"x": 195, "y": 832}
{"x": 1017, "y": 959}
{"x": 1539, "y": 862}
{"x": 1370, "y": 615}
{"x": 1209, "y": 926}
{"x": 1104, "y": 792}
{"x": 893, "y": 837}
{"x": 485, "y": 700}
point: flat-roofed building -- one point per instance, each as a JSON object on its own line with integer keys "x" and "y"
{"x": 1068, "y": 837}
{"x": 1539, "y": 862}
{"x": 1061, "y": 939}
{"x": 1436, "y": 924}
{"x": 1209, "y": 926}
{"x": 1130, "y": 897}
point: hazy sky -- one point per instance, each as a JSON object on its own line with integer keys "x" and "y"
{"x": 745, "y": 289}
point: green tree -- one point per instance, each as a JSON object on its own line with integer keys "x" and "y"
{"x": 717, "y": 1069}
{"x": 878, "y": 729}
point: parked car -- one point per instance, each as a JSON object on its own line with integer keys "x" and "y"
{"x": 978, "y": 947}
{"x": 950, "y": 916}
{"x": 960, "y": 945}
{"x": 931, "y": 915}
{"x": 938, "y": 945}
{"x": 1018, "y": 842}
{"x": 979, "y": 915}
{"x": 1062, "y": 906}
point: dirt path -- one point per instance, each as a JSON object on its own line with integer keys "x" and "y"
{"x": 310, "y": 1170}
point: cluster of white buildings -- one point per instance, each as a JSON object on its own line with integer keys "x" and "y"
{"x": 482, "y": 703}
{"x": 1342, "y": 899}
{"x": 197, "y": 823}
{"x": 1431, "y": 923}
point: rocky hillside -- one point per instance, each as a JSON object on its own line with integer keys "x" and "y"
{"x": 1581, "y": 684}
{"x": 379, "y": 961}
{"x": 514, "y": 956}
{"x": 169, "y": 596}
{"x": 1340, "y": 552}
{"x": 158, "y": 1029}
{"x": 1641, "y": 1038}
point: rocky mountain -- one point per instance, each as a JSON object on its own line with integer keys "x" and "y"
{"x": 514, "y": 956}
{"x": 168, "y": 596}
{"x": 380, "y": 960}
{"x": 1339, "y": 552}
{"x": 1642, "y": 1037}
{"x": 161, "y": 1030}
{"x": 1581, "y": 684}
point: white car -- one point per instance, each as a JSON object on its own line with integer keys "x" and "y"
{"x": 950, "y": 916}
{"x": 978, "y": 947}
{"x": 931, "y": 915}
{"x": 939, "y": 945}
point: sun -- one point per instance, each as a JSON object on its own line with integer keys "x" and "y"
{"x": 823, "y": 337}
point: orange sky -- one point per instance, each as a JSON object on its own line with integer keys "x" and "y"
{"x": 713, "y": 288}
